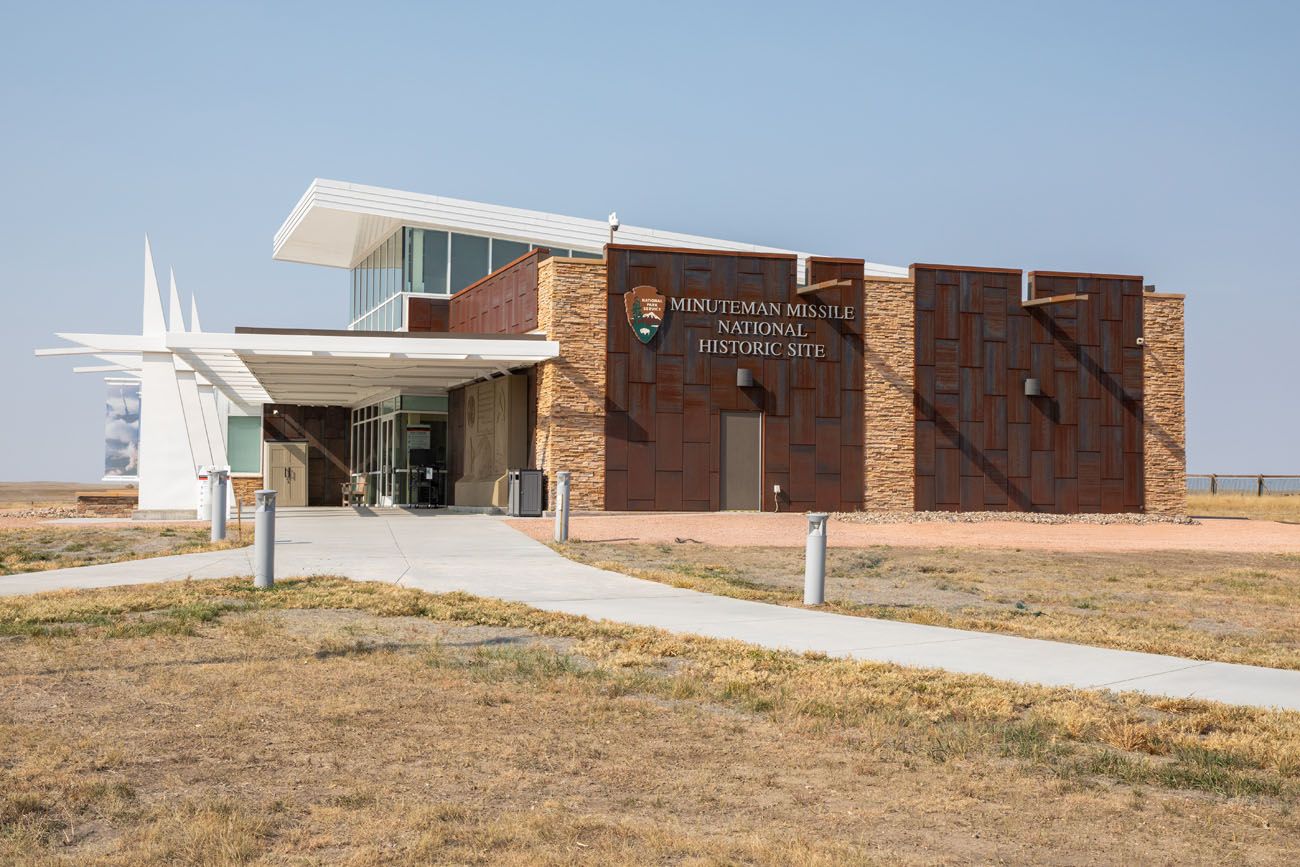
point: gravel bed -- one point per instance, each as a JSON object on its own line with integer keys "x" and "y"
{"x": 1020, "y": 517}
{"x": 41, "y": 512}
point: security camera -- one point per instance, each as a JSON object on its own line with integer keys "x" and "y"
{"x": 613, "y": 221}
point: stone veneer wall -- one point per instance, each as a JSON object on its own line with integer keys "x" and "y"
{"x": 245, "y": 487}
{"x": 571, "y": 389}
{"x": 1164, "y": 428}
{"x": 889, "y": 305}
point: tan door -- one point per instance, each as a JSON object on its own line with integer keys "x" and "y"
{"x": 742, "y": 460}
{"x": 286, "y": 472}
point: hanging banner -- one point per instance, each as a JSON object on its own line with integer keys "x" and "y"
{"x": 122, "y": 432}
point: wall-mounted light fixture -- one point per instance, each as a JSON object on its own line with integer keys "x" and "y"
{"x": 744, "y": 377}
{"x": 1033, "y": 388}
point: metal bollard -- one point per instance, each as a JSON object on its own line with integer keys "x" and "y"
{"x": 562, "y": 506}
{"x": 264, "y": 541}
{"x": 217, "y": 500}
{"x": 814, "y": 562}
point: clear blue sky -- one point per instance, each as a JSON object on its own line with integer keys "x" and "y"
{"x": 1155, "y": 138}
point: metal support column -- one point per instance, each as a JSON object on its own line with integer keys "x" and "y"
{"x": 264, "y": 541}
{"x": 562, "y": 506}
{"x": 217, "y": 501}
{"x": 814, "y": 564}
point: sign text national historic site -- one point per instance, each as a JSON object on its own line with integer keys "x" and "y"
{"x": 764, "y": 333}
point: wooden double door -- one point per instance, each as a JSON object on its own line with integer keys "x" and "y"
{"x": 286, "y": 472}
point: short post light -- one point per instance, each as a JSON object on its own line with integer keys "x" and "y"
{"x": 264, "y": 541}
{"x": 217, "y": 501}
{"x": 814, "y": 560}
{"x": 562, "y": 506}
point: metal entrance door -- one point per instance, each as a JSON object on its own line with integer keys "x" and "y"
{"x": 742, "y": 467}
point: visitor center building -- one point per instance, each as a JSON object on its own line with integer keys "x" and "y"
{"x": 663, "y": 371}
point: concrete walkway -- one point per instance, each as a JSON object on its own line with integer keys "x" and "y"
{"x": 484, "y": 556}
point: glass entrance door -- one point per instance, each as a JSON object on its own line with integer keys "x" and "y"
{"x": 399, "y": 452}
{"x": 425, "y": 451}
{"x": 388, "y": 460}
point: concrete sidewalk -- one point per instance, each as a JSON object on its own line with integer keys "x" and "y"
{"x": 484, "y": 556}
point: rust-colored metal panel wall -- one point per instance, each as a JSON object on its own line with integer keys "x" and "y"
{"x": 327, "y": 430}
{"x": 981, "y": 443}
{"x": 503, "y": 302}
{"x": 427, "y": 314}
{"x": 664, "y": 398}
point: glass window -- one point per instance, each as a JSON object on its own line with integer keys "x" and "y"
{"x": 420, "y": 403}
{"x": 367, "y": 292}
{"x": 582, "y": 254}
{"x": 427, "y": 261}
{"x": 435, "y": 262}
{"x": 408, "y": 257}
{"x": 469, "y": 260}
{"x": 505, "y": 252}
{"x": 244, "y": 443}
{"x": 393, "y": 265}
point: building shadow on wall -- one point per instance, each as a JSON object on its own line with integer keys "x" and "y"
{"x": 1107, "y": 381}
{"x": 975, "y": 454}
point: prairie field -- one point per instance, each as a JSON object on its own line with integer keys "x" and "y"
{"x": 1275, "y": 507}
{"x": 328, "y": 721}
{"x": 17, "y": 495}
{"x": 1226, "y": 606}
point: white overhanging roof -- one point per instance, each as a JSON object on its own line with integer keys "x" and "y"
{"x": 254, "y": 366}
{"x": 339, "y": 368}
{"x": 338, "y": 224}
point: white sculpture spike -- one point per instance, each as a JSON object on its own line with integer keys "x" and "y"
{"x": 194, "y": 315}
{"x": 175, "y": 315}
{"x": 153, "y": 312}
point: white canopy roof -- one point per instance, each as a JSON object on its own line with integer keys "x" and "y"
{"x": 338, "y": 224}
{"x": 337, "y": 368}
{"x": 254, "y": 366}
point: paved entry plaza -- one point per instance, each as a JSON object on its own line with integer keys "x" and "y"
{"x": 486, "y": 556}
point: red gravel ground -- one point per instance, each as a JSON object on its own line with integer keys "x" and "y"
{"x": 753, "y": 529}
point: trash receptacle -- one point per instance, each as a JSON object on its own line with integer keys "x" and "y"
{"x": 525, "y": 494}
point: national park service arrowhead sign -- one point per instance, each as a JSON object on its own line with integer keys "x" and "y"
{"x": 646, "y": 310}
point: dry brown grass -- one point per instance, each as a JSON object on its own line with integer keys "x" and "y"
{"x": 327, "y": 721}
{"x": 1270, "y": 508}
{"x": 35, "y": 549}
{"x": 1203, "y": 605}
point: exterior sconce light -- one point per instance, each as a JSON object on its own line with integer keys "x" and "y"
{"x": 744, "y": 377}
{"x": 1033, "y": 388}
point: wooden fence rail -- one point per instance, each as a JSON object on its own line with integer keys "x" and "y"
{"x": 1261, "y": 483}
